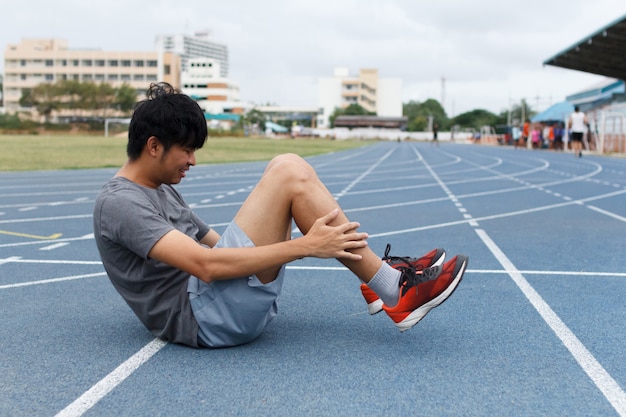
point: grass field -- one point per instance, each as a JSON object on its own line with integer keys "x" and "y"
{"x": 47, "y": 152}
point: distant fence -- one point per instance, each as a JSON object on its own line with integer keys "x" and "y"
{"x": 389, "y": 134}
{"x": 607, "y": 134}
{"x": 612, "y": 132}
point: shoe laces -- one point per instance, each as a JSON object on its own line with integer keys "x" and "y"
{"x": 410, "y": 275}
{"x": 412, "y": 278}
{"x": 398, "y": 259}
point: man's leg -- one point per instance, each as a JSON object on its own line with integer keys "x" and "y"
{"x": 291, "y": 190}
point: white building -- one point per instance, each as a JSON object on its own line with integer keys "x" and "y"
{"x": 218, "y": 96}
{"x": 196, "y": 46}
{"x": 35, "y": 61}
{"x": 382, "y": 96}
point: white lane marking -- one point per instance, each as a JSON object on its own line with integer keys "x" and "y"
{"x": 596, "y": 372}
{"x": 50, "y": 281}
{"x": 608, "y": 213}
{"x": 46, "y": 219}
{"x": 94, "y": 394}
{"x": 55, "y": 246}
{"x": 20, "y": 260}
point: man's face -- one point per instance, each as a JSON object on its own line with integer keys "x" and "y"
{"x": 175, "y": 163}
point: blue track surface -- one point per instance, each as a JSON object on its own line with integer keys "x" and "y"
{"x": 536, "y": 328}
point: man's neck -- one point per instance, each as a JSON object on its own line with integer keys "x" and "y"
{"x": 135, "y": 172}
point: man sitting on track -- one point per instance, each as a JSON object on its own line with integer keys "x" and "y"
{"x": 189, "y": 285}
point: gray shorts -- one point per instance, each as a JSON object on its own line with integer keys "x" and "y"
{"x": 233, "y": 312}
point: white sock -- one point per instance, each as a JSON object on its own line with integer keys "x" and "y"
{"x": 386, "y": 284}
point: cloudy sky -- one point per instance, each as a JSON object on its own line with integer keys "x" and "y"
{"x": 490, "y": 53}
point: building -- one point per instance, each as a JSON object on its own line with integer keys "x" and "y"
{"x": 382, "y": 96}
{"x": 36, "y": 61}
{"x": 196, "y": 46}
{"x": 217, "y": 96}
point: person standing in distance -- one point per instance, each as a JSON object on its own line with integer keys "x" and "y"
{"x": 577, "y": 124}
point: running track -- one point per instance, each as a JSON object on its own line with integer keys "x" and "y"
{"x": 536, "y": 328}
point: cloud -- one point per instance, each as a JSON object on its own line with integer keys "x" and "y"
{"x": 488, "y": 52}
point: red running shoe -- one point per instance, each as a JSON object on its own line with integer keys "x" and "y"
{"x": 433, "y": 258}
{"x": 422, "y": 291}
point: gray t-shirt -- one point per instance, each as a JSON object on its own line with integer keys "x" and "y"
{"x": 128, "y": 220}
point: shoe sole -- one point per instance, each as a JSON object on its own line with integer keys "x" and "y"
{"x": 377, "y": 306}
{"x": 418, "y": 314}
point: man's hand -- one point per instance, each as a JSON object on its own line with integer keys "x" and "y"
{"x": 326, "y": 241}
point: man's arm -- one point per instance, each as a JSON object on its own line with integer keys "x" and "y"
{"x": 210, "y": 239}
{"x": 322, "y": 241}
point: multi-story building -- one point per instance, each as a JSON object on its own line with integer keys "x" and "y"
{"x": 213, "y": 92}
{"x": 382, "y": 96}
{"x": 35, "y": 61}
{"x": 196, "y": 46}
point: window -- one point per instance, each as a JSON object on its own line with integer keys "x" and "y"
{"x": 112, "y": 77}
{"x": 151, "y": 77}
{"x": 49, "y": 77}
{"x": 99, "y": 77}
{"x": 126, "y": 62}
{"x": 87, "y": 77}
{"x": 23, "y": 62}
{"x": 75, "y": 62}
{"x": 125, "y": 77}
{"x": 87, "y": 62}
{"x": 49, "y": 63}
{"x": 138, "y": 77}
{"x": 139, "y": 63}
{"x": 152, "y": 63}
{"x": 166, "y": 70}
{"x": 99, "y": 62}
{"x": 113, "y": 63}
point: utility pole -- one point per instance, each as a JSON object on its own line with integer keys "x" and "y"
{"x": 443, "y": 93}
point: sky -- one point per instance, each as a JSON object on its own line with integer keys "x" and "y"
{"x": 479, "y": 54}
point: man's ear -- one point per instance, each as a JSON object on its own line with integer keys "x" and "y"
{"x": 152, "y": 145}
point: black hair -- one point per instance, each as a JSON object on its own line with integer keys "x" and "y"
{"x": 174, "y": 118}
{"x": 576, "y": 108}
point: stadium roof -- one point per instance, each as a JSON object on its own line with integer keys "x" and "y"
{"x": 600, "y": 53}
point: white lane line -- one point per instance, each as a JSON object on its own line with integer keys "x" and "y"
{"x": 10, "y": 259}
{"x": 363, "y": 175}
{"x": 20, "y": 260}
{"x": 596, "y": 372}
{"x": 608, "y": 213}
{"x": 317, "y": 268}
{"x": 55, "y": 246}
{"x": 50, "y": 281}
{"x": 83, "y": 403}
{"x": 46, "y": 219}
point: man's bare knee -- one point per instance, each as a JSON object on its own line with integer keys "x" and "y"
{"x": 291, "y": 168}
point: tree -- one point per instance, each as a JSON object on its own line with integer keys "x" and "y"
{"x": 27, "y": 100}
{"x": 46, "y": 98}
{"x": 419, "y": 114}
{"x": 476, "y": 119}
{"x": 125, "y": 98}
{"x": 353, "y": 109}
{"x": 75, "y": 96}
{"x": 256, "y": 117}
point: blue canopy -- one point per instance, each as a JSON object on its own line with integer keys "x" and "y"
{"x": 222, "y": 116}
{"x": 276, "y": 127}
{"x": 556, "y": 113}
